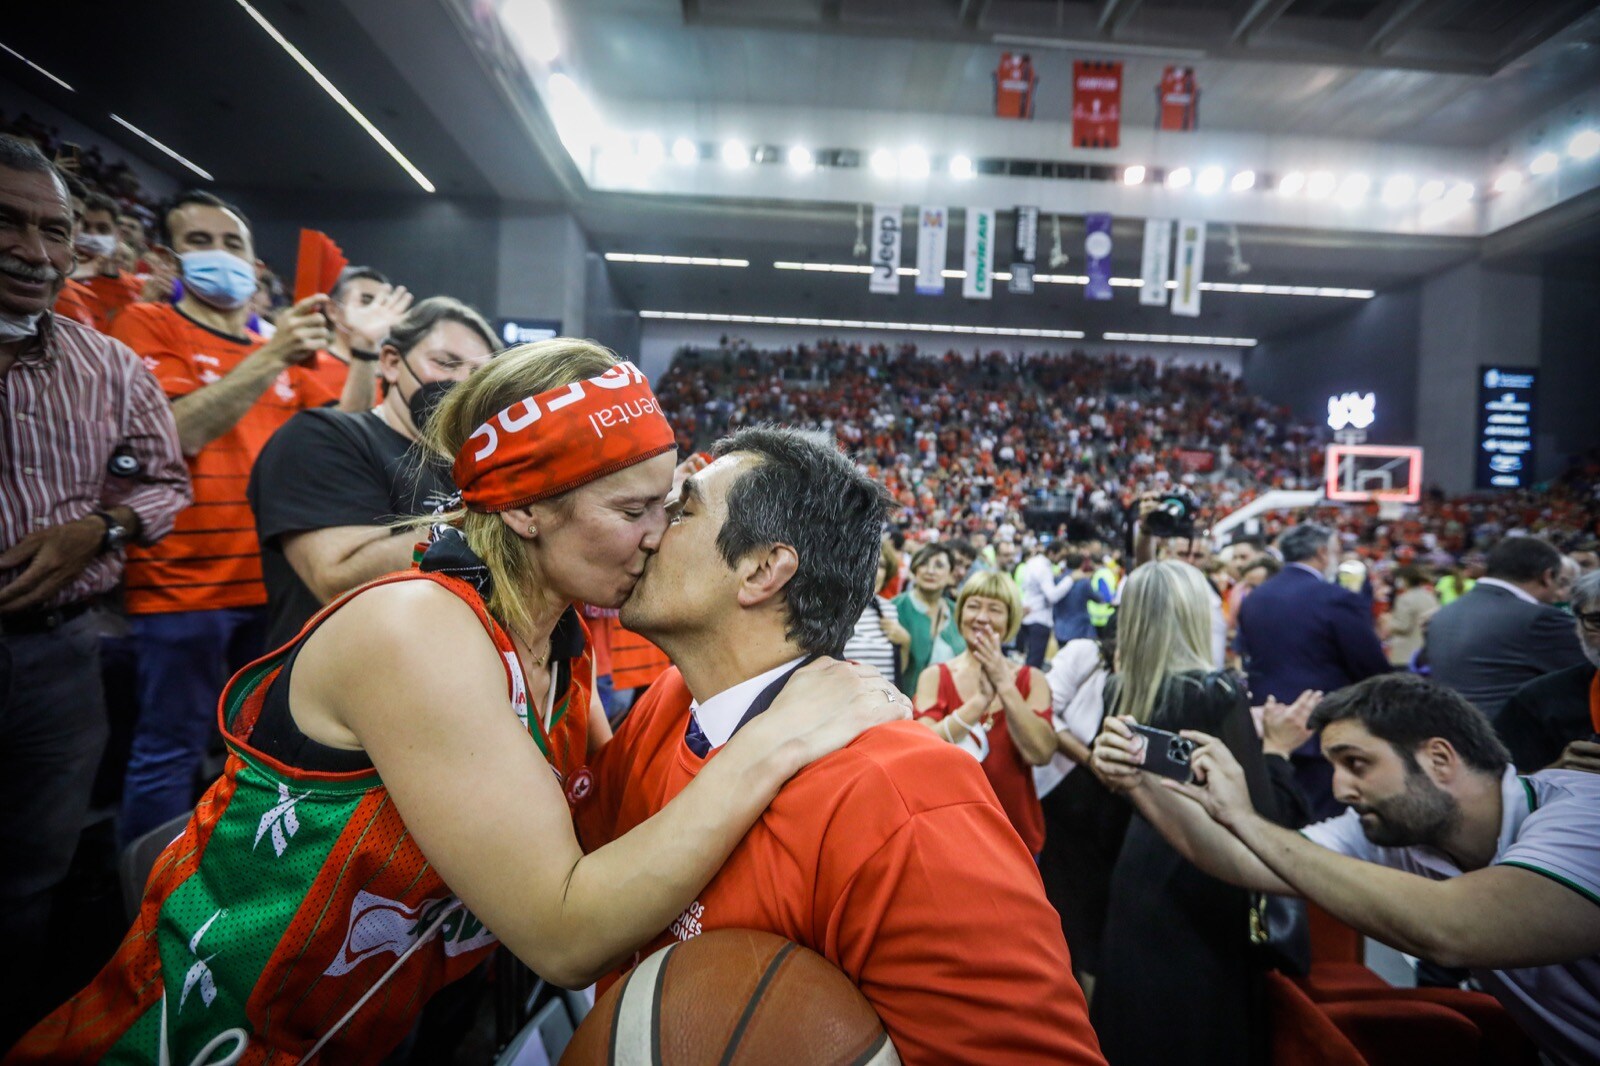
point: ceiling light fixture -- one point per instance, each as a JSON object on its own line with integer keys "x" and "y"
{"x": 1243, "y": 181}
{"x": 848, "y": 323}
{"x": 1544, "y": 163}
{"x": 801, "y": 159}
{"x": 1177, "y": 179}
{"x": 1210, "y": 180}
{"x": 685, "y": 151}
{"x": 883, "y": 163}
{"x": 1292, "y": 183}
{"x": 1398, "y": 190}
{"x": 40, "y": 69}
{"x": 1585, "y": 144}
{"x": 338, "y": 97}
{"x": 1461, "y": 192}
{"x": 136, "y": 131}
{"x": 1181, "y": 338}
{"x": 1133, "y": 175}
{"x": 961, "y": 167}
{"x": 914, "y": 163}
{"x": 735, "y": 155}
{"x": 1508, "y": 181}
{"x": 652, "y": 153}
{"x": 531, "y": 26}
{"x": 1430, "y": 191}
{"x": 1320, "y": 185}
{"x": 1354, "y": 189}
{"x": 675, "y": 260}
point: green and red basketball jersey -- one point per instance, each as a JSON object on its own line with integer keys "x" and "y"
{"x": 295, "y": 910}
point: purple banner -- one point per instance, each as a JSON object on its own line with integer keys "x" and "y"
{"x": 1097, "y": 250}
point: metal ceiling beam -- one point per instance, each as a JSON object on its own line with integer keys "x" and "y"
{"x": 972, "y": 12}
{"x": 1399, "y": 17}
{"x": 1114, "y": 14}
{"x": 1257, "y": 16}
{"x": 831, "y": 10}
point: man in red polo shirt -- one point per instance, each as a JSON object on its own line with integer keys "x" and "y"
{"x": 891, "y": 858}
{"x": 197, "y": 602}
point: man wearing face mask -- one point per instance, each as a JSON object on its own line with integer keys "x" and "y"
{"x": 107, "y": 289}
{"x": 322, "y": 536}
{"x": 89, "y": 460}
{"x": 197, "y": 600}
{"x": 1300, "y": 631}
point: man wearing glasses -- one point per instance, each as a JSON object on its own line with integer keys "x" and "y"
{"x": 1554, "y": 721}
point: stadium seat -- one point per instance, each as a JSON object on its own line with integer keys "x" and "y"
{"x": 1301, "y": 1034}
{"x": 1502, "y": 1043}
{"x": 1393, "y": 1032}
{"x": 140, "y": 856}
{"x": 543, "y": 1040}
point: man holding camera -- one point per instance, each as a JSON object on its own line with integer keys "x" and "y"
{"x": 1301, "y": 631}
{"x": 1442, "y": 844}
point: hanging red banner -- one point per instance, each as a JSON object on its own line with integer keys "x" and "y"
{"x": 1179, "y": 98}
{"x": 1014, "y": 83}
{"x": 1096, "y": 104}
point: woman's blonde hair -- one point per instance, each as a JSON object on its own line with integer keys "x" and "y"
{"x": 993, "y": 585}
{"x": 515, "y": 374}
{"x": 1163, "y": 629}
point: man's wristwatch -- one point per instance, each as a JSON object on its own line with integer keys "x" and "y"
{"x": 117, "y": 534}
{"x": 361, "y": 356}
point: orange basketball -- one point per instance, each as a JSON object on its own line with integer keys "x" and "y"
{"x": 732, "y": 996}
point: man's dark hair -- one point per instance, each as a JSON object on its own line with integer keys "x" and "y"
{"x": 99, "y": 201}
{"x": 1264, "y": 562}
{"x": 190, "y": 198}
{"x": 1074, "y": 560}
{"x": 1251, "y": 539}
{"x": 357, "y": 273}
{"x": 802, "y": 492}
{"x": 961, "y": 548}
{"x": 420, "y": 320}
{"x": 1301, "y": 542}
{"x": 1407, "y": 710}
{"x": 1521, "y": 559}
{"x": 24, "y": 156}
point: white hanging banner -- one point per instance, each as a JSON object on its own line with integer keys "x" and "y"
{"x": 1189, "y": 268}
{"x": 1156, "y": 267}
{"x": 979, "y": 282}
{"x": 885, "y": 248}
{"x": 933, "y": 231}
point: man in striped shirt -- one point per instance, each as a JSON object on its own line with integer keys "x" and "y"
{"x": 89, "y": 460}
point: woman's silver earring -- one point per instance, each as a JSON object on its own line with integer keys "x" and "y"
{"x": 533, "y": 531}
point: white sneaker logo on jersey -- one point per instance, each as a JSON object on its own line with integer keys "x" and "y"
{"x": 200, "y": 972}
{"x": 380, "y": 926}
{"x": 281, "y": 820}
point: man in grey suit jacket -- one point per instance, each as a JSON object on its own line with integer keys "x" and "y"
{"x": 1505, "y": 632}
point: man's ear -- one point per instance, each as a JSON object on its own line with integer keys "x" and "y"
{"x": 763, "y": 574}
{"x": 1439, "y": 759}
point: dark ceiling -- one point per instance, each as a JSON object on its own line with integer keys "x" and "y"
{"x": 210, "y": 83}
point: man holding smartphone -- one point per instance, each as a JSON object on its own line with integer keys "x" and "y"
{"x": 1445, "y": 853}
{"x": 196, "y": 599}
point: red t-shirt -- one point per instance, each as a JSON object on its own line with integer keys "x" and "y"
{"x": 211, "y": 559}
{"x": 893, "y": 861}
{"x": 107, "y": 296}
{"x": 1008, "y": 772}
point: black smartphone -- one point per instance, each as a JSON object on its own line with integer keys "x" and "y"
{"x": 1166, "y": 753}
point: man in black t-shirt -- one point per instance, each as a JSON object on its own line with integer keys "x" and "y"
{"x": 328, "y": 485}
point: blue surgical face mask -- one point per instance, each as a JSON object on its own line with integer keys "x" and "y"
{"x": 219, "y": 278}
